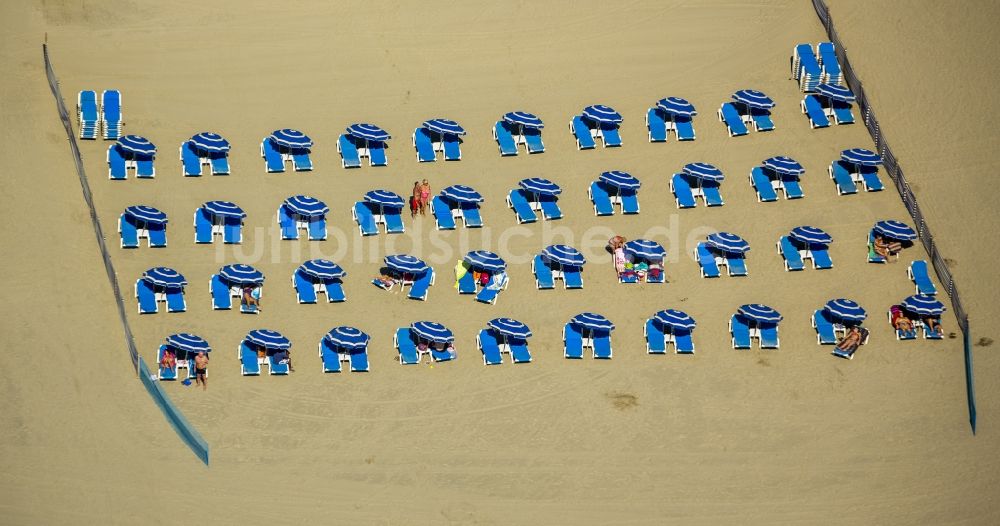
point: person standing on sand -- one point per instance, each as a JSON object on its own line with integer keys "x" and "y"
{"x": 425, "y": 197}
{"x": 201, "y": 370}
{"x": 415, "y": 200}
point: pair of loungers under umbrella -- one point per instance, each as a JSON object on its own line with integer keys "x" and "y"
{"x": 140, "y": 221}
{"x": 535, "y": 194}
{"x": 558, "y": 262}
{"x": 749, "y": 107}
{"x": 612, "y": 188}
{"x": 273, "y": 343}
{"x": 379, "y": 207}
{"x": 363, "y": 141}
{"x": 596, "y": 122}
{"x": 671, "y": 114}
{"x": 805, "y": 242}
{"x": 504, "y": 336}
{"x": 205, "y": 149}
{"x": 184, "y": 347}
{"x": 302, "y": 213}
{"x": 669, "y": 327}
{"x": 486, "y": 262}
{"x": 424, "y": 338}
{"x": 644, "y": 251}
{"x": 856, "y": 165}
{"x": 755, "y": 321}
{"x": 892, "y": 232}
{"x": 588, "y": 330}
{"x": 131, "y": 152}
{"x": 516, "y": 128}
{"x": 286, "y": 145}
{"x": 438, "y": 135}
{"x": 776, "y": 174}
{"x": 921, "y": 309}
{"x": 830, "y": 102}
{"x": 722, "y": 249}
{"x": 457, "y": 202}
{"x": 160, "y": 285}
{"x": 344, "y": 344}
{"x": 834, "y": 320}
{"x": 697, "y": 180}
{"x": 408, "y": 271}
{"x": 219, "y": 218}
{"x": 319, "y": 276}
{"x": 229, "y": 282}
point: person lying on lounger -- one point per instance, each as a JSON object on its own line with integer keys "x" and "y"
{"x": 885, "y": 248}
{"x": 851, "y": 341}
{"x": 251, "y": 297}
{"x": 899, "y": 320}
{"x": 169, "y": 360}
{"x": 385, "y": 281}
{"x": 933, "y": 324}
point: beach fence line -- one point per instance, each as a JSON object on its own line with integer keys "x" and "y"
{"x": 909, "y": 200}
{"x": 173, "y": 415}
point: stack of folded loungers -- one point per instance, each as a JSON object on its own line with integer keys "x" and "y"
{"x": 111, "y": 114}
{"x": 828, "y": 60}
{"x": 805, "y": 68}
{"x": 86, "y": 110}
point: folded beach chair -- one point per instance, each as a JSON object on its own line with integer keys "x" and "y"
{"x": 505, "y": 141}
{"x": 684, "y": 127}
{"x": 681, "y": 188}
{"x": 873, "y": 257}
{"x": 421, "y": 285}
{"x": 572, "y": 278}
{"x": 550, "y": 207}
{"x": 317, "y": 229}
{"x": 490, "y": 293}
{"x": 790, "y": 254}
{"x": 572, "y": 341}
{"x": 471, "y": 216}
{"x": 175, "y": 300}
{"x": 762, "y": 184}
{"x": 222, "y": 298}
{"x": 116, "y": 164}
{"x": 517, "y": 202}
{"x": 146, "y": 296}
{"x": 821, "y": 258}
{"x": 813, "y": 109}
{"x": 86, "y": 106}
{"x": 602, "y": 345}
{"x": 918, "y": 273}
{"x": 789, "y": 184}
{"x": 467, "y": 284}
{"x": 165, "y": 373}
{"x": 232, "y": 230}
{"x": 842, "y": 177}
{"x": 376, "y": 154}
{"x": 273, "y": 161}
{"x": 452, "y": 147}
{"x": 610, "y": 136}
{"x": 305, "y": 292}
{"x": 761, "y": 119}
{"x": 736, "y": 265}
{"x": 275, "y": 367}
{"x": 442, "y": 213}
{"x": 683, "y": 342}
{"x": 584, "y": 139}
{"x": 533, "y": 141}
{"x": 730, "y": 116}
{"x": 518, "y": 350}
{"x": 656, "y": 125}
{"x": 330, "y": 357}
{"x": 825, "y": 333}
{"x": 543, "y": 274}
{"x": 656, "y": 340}
{"x": 129, "y": 234}
{"x": 630, "y": 202}
{"x": 423, "y": 145}
{"x": 349, "y": 157}
{"x": 249, "y": 365}
{"x": 769, "y": 336}
{"x": 366, "y": 221}
{"x": 870, "y": 180}
{"x": 289, "y": 227}
{"x": 711, "y": 194}
{"x": 191, "y": 162}
{"x": 740, "y": 331}
{"x": 601, "y": 200}
{"x": 111, "y": 114}
{"x": 393, "y": 221}
{"x": 828, "y": 59}
{"x": 709, "y": 268}
{"x": 490, "y": 348}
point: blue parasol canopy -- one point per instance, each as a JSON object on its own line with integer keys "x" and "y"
{"x": 895, "y": 230}
{"x": 305, "y": 205}
{"x": 622, "y": 180}
{"x": 210, "y": 142}
{"x": 432, "y": 331}
{"x": 385, "y": 198}
{"x": 485, "y": 260}
{"x": 704, "y": 171}
{"x": 462, "y": 194}
{"x": 760, "y": 313}
{"x": 841, "y": 93}
{"x": 538, "y": 185}
{"x": 322, "y": 269}
{"x": 349, "y": 338}
{"x": 510, "y": 327}
{"x": 602, "y": 113}
{"x": 224, "y": 209}
{"x": 845, "y": 309}
{"x": 860, "y": 157}
{"x": 241, "y": 274}
{"x": 268, "y": 339}
{"x": 164, "y": 277}
{"x": 728, "y": 242}
{"x": 528, "y": 120}
{"x": 784, "y": 165}
{"x": 754, "y": 99}
{"x": 188, "y": 342}
{"x": 674, "y": 319}
{"x": 810, "y": 235}
{"x": 147, "y": 214}
{"x": 291, "y": 139}
{"x": 594, "y": 322}
{"x": 137, "y": 144}
{"x": 368, "y": 132}
{"x": 676, "y": 106}
{"x": 924, "y": 305}
{"x": 564, "y": 255}
{"x": 406, "y": 264}
{"x": 645, "y": 249}
{"x": 444, "y": 126}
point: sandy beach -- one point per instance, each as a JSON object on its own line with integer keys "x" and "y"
{"x": 721, "y": 437}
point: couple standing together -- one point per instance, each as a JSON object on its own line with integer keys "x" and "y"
{"x": 420, "y": 199}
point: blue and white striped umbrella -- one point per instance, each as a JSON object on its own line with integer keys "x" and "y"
{"x": 760, "y": 313}
{"x": 224, "y": 209}
{"x": 164, "y": 277}
{"x": 622, "y": 180}
{"x": 322, "y": 269}
{"x": 860, "y": 157}
{"x": 461, "y": 194}
{"x": 268, "y": 339}
{"x": 510, "y": 327}
{"x": 305, "y": 205}
{"x": 845, "y": 309}
{"x": 810, "y": 235}
{"x": 368, "y": 132}
{"x": 147, "y": 214}
{"x": 924, "y": 305}
{"x": 895, "y": 229}
{"x": 784, "y": 165}
{"x": 676, "y": 106}
{"x": 602, "y": 113}
{"x": 432, "y": 331}
{"x": 528, "y": 120}
{"x": 754, "y": 99}
{"x": 188, "y": 342}
{"x": 292, "y": 139}
{"x": 210, "y": 142}
{"x": 444, "y": 126}
{"x": 728, "y": 242}
{"x": 592, "y": 321}
{"x": 485, "y": 260}
{"x": 675, "y": 319}
{"x": 704, "y": 171}
{"x": 835, "y": 92}
{"x": 406, "y": 264}
{"x": 385, "y": 198}
{"x": 538, "y": 185}
{"x": 564, "y": 255}
{"x": 349, "y": 338}
{"x": 137, "y": 144}
{"x": 645, "y": 249}
{"x": 241, "y": 274}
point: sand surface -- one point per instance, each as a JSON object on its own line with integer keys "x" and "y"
{"x": 788, "y": 436}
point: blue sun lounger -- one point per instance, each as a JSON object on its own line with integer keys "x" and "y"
{"x": 273, "y": 161}
{"x": 421, "y": 285}
{"x": 533, "y": 141}
{"x": 317, "y": 229}
{"x": 684, "y": 127}
{"x": 246, "y": 308}
{"x": 144, "y": 167}
{"x": 842, "y": 112}
{"x": 359, "y": 361}
{"x": 407, "y": 348}
{"x": 630, "y": 202}
{"x": 825, "y": 333}
{"x": 769, "y": 336}
{"x": 146, "y": 297}
{"x": 87, "y": 111}
{"x": 842, "y": 177}
{"x": 601, "y": 200}
{"x": 740, "y": 332}
{"x": 706, "y": 260}
{"x": 490, "y": 293}
{"x": 289, "y": 227}
{"x": 175, "y": 301}
{"x": 220, "y": 164}
{"x": 761, "y": 120}
{"x": 330, "y": 356}
{"x": 222, "y": 298}
{"x": 572, "y": 278}
{"x": 305, "y": 292}
{"x": 376, "y": 154}
{"x": 762, "y": 184}
{"x": 442, "y": 214}
{"x": 467, "y": 284}
{"x": 334, "y": 291}
{"x": 249, "y": 366}
{"x": 550, "y": 207}
{"x": 232, "y": 231}
{"x": 275, "y": 367}
{"x": 519, "y": 350}
{"x": 736, "y": 265}
{"x": 393, "y": 221}
{"x": 656, "y": 340}
{"x": 930, "y": 334}
{"x": 610, "y": 135}
{"x": 519, "y": 204}
{"x": 157, "y": 236}
{"x": 365, "y": 219}
{"x": 683, "y": 342}
{"x": 202, "y": 226}
{"x": 505, "y": 141}
{"x": 656, "y": 125}
{"x": 870, "y": 180}
{"x": 821, "y": 258}
{"x": 792, "y": 256}
{"x": 111, "y": 113}
{"x": 165, "y": 373}
{"x": 710, "y": 192}
{"x": 584, "y": 140}
{"x": 602, "y": 345}
{"x": 791, "y": 187}
{"x": 572, "y": 341}
{"x": 129, "y": 234}
{"x": 681, "y": 188}
{"x": 918, "y": 273}
{"x": 423, "y": 145}
{"x": 813, "y": 109}
{"x": 730, "y": 116}
{"x": 452, "y": 147}
{"x": 349, "y": 157}
{"x": 543, "y": 274}
{"x": 471, "y": 216}
{"x": 116, "y": 164}
{"x": 490, "y": 348}
{"x": 873, "y": 257}
{"x": 901, "y": 334}
{"x": 190, "y": 160}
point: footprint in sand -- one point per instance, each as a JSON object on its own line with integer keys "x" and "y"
{"x": 623, "y": 401}
{"x": 984, "y": 342}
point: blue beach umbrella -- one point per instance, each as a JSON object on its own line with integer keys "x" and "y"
{"x": 165, "y": 277}
{"x": 385, "y": 198}
{"x": 645, "y": 249}
{"x": 674, "y": 319}
{"x": 461, "y": 194}
{"x": 272, "y": 340}
{"x": 210, "y": 142}
{"x": 754, "y": 99}
{"x": 895, "y": 230}
{"x": 728, "y": 242}
{"x": 405, "y": 263}
{"x": 602, "y": 113}
{"x": 835, "y": 92}
{"x": 146, "y": 214}
{"x": 224, "y": 209}
{"x": 592, "y": 321}
{"x": 760, "y": 313}
{"x": 784, "y": 165}
{"x": 810, "y": 235}
{"x": 137, "y": 144}
{"x": 621, "y": 180}
{"x": 444, "y": 126}
{"x": 860, "y": 157}
{"x": 538, "y": 185}
{"x": 368, "y": 132}
{"x": 241, "y": 274}
{"x": 845, "y": 309}
{"x": 924, "y": 305}
{"x": 305, "y": 205}
{"x": 704, "y": 171}
{"x": 564, "y": 255}
{"x": 349, "y": 338}
{"x": 188, "y": 342}
{"x": 291, "y": 139}
{"x": 432, "y": 331}
{"x": 485, "y": 260}
{"x": 523, "y": 118}
{"x": 322, "y": 269}
{"x": 676, "y": 106}
{"x": 510, "y": 327}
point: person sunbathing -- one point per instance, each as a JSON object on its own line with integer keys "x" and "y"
{"x": 899, "y": 320}
{"x": 881, "y": 247}
{"x": 385, "y": 281}
{"x": 851, "y": 341}
{"x": 251, "y": 297}
{"x": 933, "y": 325}
{"x": 169, "y": 360}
